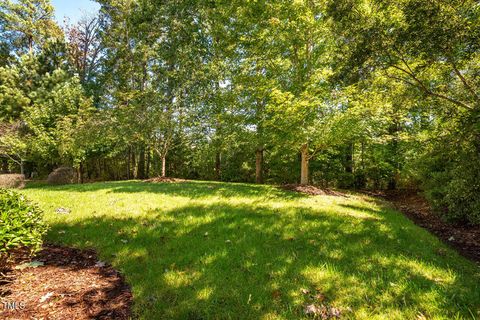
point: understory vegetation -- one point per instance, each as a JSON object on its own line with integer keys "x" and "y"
{"x": 210, "y": 250}
{"x": 21, "y": 224}
{"x": 354, "y": 94}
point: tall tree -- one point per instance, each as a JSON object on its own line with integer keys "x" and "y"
{"x": 29, "y": 24}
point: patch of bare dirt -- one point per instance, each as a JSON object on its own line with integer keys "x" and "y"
{"x": 312, "y": 190}
{"x": 165, "y": 180}
{"x": 63, "y": 283}
{"x": 464, "y": 238}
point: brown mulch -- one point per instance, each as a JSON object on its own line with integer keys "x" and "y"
{"x": 464, "y": 238}
{"x": 72, "y": 284}
{"x": 164, "y": 180}
{"x": 312, "y": 190}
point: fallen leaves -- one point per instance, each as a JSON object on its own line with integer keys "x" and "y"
{"x": 32, "y": 264}
{"x": 45, "y": 297}
{"x": 305, "y": 291}
{"x": 322, "y": 311}
{"x": 100, "y": 264}
{"x": 276, "y": 294}
{"x": 62, "y": 210}
{"x": 66, "y": 283}
{"x": 317, "y": 307}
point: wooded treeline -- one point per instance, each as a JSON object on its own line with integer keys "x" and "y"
{"x": 346, "y": 93}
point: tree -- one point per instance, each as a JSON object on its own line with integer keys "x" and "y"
{"x": 29, "y": 24}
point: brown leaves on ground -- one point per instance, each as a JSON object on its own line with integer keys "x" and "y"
{"x": 312, "y": 190}
{"x": 165, "y": 180}
{"x": 72, "y": 284}
{"x": 317, "y": 307}
{"x": 322, "y": 312}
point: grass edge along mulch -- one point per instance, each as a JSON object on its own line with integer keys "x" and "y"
{"x": 465, "y": 239}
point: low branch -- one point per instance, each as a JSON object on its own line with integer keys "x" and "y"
{"x": 427, "y": 90}
{"x": 464, "y": 81}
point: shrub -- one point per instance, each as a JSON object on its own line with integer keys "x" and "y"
{"x": 21, "y": 223}
{"x": 12, "y": 181}
{"x": 62, "y": 175}
{"x": 452, "y": 183}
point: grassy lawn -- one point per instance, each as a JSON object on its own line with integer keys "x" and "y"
{"x": 206, "y": 250}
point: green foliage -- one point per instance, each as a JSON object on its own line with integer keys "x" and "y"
{"x": 361, "y": 90}
{"x": 451, "y": 182}
{"x": 21, "y": 222}
{"x": 28, "y": 23}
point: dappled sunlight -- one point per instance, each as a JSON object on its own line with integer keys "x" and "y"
{"x": 194, "y": 255}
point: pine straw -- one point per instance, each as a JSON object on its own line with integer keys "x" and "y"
{"x": 70, "y": 285}
{"x": 463, "y": 237}
{"x": 312, "y": 190}
{"x": 165, "y": 180}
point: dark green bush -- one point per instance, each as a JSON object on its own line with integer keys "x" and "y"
{"x": 451, "y": 180}
{"x": 62, "y": 175}
{"x": 21, "y": 223}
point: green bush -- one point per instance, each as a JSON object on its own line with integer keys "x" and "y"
{"x": 21, "y": 223}
{"x": 62, "y": 175}
{"x": 451, "y": 180}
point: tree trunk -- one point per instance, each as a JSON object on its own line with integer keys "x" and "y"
{"x": 134, "y": 165}
{"x": 218, "y": 173}
{"x": 22, "y": 167}
{"x": 349, "y": 158}
{"x": 304, "y": 165}
{"x": 141, "y": 164}
{"x": 128, "y": 164}
{"x": 147, "y": 169}
{"x": 164, "y": 165}
{"x": 4, "y": 166}
{"x": 362, "y": 155}
{"x": 80, "y": 173}
{"x": 259, "y": 165}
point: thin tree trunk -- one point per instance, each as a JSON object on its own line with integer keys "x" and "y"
{"x": 218, "y": 173}
{"x": 128, "y": 164}
{"x": 362, "y": 155}
{"x": 259, "y": 165}
{"x": 304, "y": 165}
{"x": 349, "y": 158}
{"x": 164, "y": 165}
{"x": 147, "y": 169}
{"x": 134, "y": 165}
{"x": 141, "y": 164}
{"x": 80, "y": 173}
{"x": 22, "y": 167}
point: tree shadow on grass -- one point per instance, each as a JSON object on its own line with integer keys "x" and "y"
{"x": 191, "y": 189}
{"x": 226, "y": 261}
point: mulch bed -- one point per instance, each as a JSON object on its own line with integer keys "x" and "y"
{"x": 165, "y": 180}
{"x": 312, "y": 190}
{"x": 71, "y": 284}
{"x": 464, "y": 238}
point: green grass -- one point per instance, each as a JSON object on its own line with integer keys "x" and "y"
{"x": 206, "y": 250}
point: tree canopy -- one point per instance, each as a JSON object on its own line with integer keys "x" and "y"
{"x": 360, "y": 94}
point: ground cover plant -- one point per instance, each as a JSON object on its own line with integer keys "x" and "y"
{"x": 209, "y": 250}
{"x": 21, "y": 223}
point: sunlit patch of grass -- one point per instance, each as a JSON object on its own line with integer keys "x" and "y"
{"x": 208, "y": 250}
